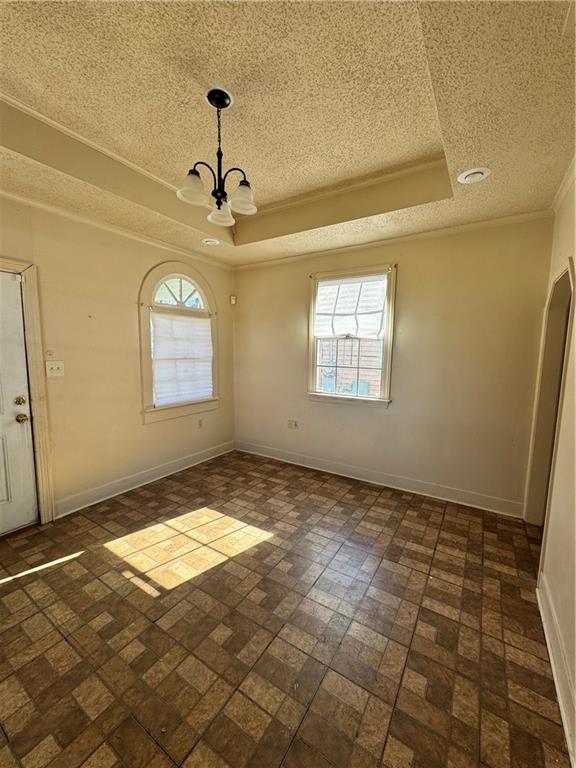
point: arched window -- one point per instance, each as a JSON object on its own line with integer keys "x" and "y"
{"x": 178, "y": 338}
{"x": 178, "y": 291}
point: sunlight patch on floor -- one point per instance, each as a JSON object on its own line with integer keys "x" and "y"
{"x": 42, "y": 567}
{"x": 180, "y": 549}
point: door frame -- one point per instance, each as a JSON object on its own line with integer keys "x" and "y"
{"x": 571, "y": 271}
{"x": 37, "y": 383}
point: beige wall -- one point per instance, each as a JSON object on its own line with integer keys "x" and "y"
{"x": 89, "y": 283}
{"x": 468, "y": 309}
{"x": 557, "y": 585}
{"x": 468, "y": 313}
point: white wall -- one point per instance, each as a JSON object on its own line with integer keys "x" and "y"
{"x": 557, "y": 585}
{"x": 468, "y": 313}
{"x": 89, "y": 283}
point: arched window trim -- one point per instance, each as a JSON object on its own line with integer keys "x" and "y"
{"x": 146, "y": 305}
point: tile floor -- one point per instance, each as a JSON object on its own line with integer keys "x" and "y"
{"x": 247, "y": 612}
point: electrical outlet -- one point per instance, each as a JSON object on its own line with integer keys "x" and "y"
{"x": 293, "y": 424}
{"x": 200, "y": 423}
{"x": 54, "y": 368}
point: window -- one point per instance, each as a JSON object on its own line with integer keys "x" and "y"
{"x": 179, "y": 292}
{"x": 178, "y": 344}
{"x": 351, "y": 334}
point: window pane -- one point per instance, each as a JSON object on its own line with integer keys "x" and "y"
{"x": 326, "y": 351}
{"x": 175, "y": 286}
{"x": 372, "y": 296}
{"x": 193, "y": 300}
{"x": 370, "y": 353}
{"x": 323, "y": 326}
{"x": 164, "y": 296}
{"x": 369, "y": 381}
{"x": 348, "y": 298}
{"x": 344, "y": 324}
{"x": 326, "y": 298}
{"x": 326, "y": 380}
{"x": 370, "y": 326}
{"x": 346, "y": 381}
{"x": 178, "y": 292}
{"x": 348, "y": 352}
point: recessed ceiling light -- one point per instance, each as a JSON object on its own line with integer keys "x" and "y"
{"x": 210, "y": 241}
{"x": 474, "y": 175}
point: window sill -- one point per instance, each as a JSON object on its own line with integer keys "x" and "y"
{"x": 164, "y": 412}
{"x": 334, "y": 399}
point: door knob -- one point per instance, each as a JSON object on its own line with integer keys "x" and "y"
{"x": 20, "y": 400}
{"x": 21, "y": 418}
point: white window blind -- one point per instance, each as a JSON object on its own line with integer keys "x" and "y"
{"x": 351, "y": 306}
{"x": 181, "y": 358}
{"x": 349, "y": 333}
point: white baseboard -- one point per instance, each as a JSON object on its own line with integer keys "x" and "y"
{"x": 559, "y": 662}
{"x": 411, "y": 485}
{"x": 73, "y": 503}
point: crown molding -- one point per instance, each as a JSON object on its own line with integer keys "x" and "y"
{"x": 157, "y": 243}
{"x": 415, "y": 185}
{"x": 222, "y": 264}
{"x": 82, "y": 139}
{"x": 39, "y": 142}
{"x": 567, "y": 181}
{"x": 424, "y": 235}
{"x": 279, "y": 205}
{"x": 351, "y": 186}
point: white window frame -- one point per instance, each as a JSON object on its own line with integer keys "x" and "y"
{"x": 381, "y": 269}
{"x": 151, "y": 282}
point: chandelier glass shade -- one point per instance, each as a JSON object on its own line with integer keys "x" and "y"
{"x": 193, "y": 192}
{"x": 222, "y": 216}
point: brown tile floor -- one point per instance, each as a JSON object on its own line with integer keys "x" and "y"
{"x": 251, "y": 613}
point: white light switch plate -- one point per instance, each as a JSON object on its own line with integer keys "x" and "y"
{"x": 54, "y": 368}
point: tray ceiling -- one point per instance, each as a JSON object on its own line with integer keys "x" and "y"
{"x": 323, "y": 92}
{"x": 326, "y": 94}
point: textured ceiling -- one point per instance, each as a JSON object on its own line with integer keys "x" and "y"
{"x": 32, "y": 181}
{"x": 29, "y": 180}
{"x": 326, "y": 92}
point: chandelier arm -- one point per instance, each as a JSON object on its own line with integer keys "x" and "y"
{"x": 206, "y": 165}
{"x": 234, "y": 169}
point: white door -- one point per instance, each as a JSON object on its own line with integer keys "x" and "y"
{"x": 17, "y": 478}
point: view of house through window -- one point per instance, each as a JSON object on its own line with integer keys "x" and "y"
{"x": 181, "y": 344}
{"x": 351, "y": 335}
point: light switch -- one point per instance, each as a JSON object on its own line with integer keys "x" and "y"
{"x": 54, "y": 368}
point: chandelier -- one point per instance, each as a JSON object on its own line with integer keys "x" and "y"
{"x": 192, "y": 190}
